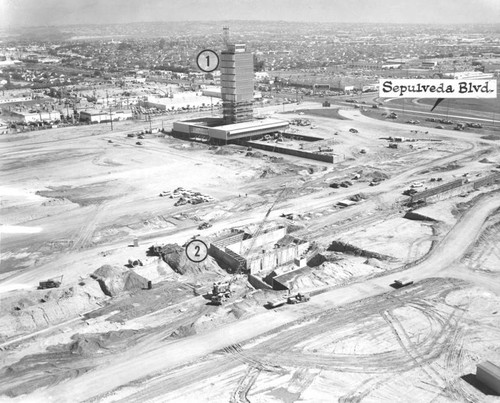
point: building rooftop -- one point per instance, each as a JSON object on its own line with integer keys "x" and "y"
{"x": 254, "y": 124}
{"x": 490, "y": 368}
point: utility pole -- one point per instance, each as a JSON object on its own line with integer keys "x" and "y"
{"x": 111, "y": 118}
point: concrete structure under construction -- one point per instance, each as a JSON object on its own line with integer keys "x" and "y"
{"x": 210, "y": 128}
{"x": 236, "y": 67}
{"x": 239, "y": 251}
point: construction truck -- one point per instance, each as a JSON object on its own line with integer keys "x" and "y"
{"x": 298, "y": 298}
{"x": 204, "y": 225}
{"x": 50, "y": 283}
{"x": 402, "y": 282}
{"x": 221, "y": 292}
{"x": 276, "y": 303}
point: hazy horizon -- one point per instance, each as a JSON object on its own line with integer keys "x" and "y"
{"x": 35, "y": 13}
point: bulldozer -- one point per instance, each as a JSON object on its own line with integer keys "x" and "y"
{"x": 221, "y": 292}
{"x": 50, "y": 283}
{"x": 298, "y": 298}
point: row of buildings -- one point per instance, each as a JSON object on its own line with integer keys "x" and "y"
{"x": 90, "y": 116}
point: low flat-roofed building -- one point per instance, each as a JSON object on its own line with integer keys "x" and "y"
{"x": 429, "y": 64}
{"x": 363, "y": 64}
{"x": 468, "y": 75}
{"x": 181, "y": 100}
{"x": 7, "y": 100}
{"x": 489, "y": 374}
{"x": 35, "y": 117}
{"x": 230, "y": 132}
{"x": 96, "y": 116}
{"x": 370, "y": 87}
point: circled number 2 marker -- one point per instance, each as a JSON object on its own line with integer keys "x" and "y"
{"x": 196, "y": 251}
{"x": 207, "y": 60}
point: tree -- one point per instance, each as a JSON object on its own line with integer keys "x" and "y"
{"x": 161, "y": 44}
{"x": 258, "y": 65}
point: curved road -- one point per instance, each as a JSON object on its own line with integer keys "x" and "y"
{"x": 129, "y": 367}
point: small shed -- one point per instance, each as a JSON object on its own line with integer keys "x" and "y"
{"x": 489, "y": 374}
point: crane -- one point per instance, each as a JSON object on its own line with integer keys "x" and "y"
{"x": 259, "y": 229}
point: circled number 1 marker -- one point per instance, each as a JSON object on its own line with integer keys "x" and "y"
{"x": 207, "y": 60}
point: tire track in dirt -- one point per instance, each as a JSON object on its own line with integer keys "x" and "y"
{"x": 281, "y": 350}
{"x": 404, "y": 342}
{"x": 86, "y": 231}
{"x": 239, "y": 395}
{"x": 409, "y": 347}
{"x": 364, "y": 389}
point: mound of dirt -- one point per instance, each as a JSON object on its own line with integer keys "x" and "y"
{"x": 374, "y": 262}
{"x": 269, "y": 171}
{"x": 114, "y": 280}
{"x": 224, "y": 151}
{"x": 327, "y": 274}
{"x": 449, "y": 167}
{"x": 155, "y": 270}
{"x": 183, "y": 331}
{"x": 322, "y": 257}
{"x": 339, "y": 246}
{"x": 486, "y": 161}
{"x": 255, "y": 154}
{"x": 56, "y": 202}
{"x": 94, "y": 343}
{"x": 176, "y": 258}
{"x": 294, "y": 227}
{"x": 36, "y": 310}
{"x": 379, "y": 175}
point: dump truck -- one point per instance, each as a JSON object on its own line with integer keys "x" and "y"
{"x": 276, "y": 303}
{"x": 402, "y": 282}
{"x": 298, "y": 298}
{"x": 204, "y": 225}
{"x": 221, "y": 292}
{"x": 50, "y": 283}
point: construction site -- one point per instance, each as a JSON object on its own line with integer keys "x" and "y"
{"x": 295, "y": 298}
{"x": 312, "y": 257}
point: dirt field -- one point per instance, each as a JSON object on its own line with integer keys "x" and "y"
{"x": 409, "y": 347}
{"x": 74, "y": 200}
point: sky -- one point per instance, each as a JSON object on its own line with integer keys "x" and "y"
{"x": 67, "y": 12}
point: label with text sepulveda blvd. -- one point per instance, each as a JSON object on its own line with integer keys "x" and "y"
{"x": 436, "y": 88}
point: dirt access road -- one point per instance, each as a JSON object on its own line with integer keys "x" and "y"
{"x": 128, "y": 366}
{"x": 80, "y": 227}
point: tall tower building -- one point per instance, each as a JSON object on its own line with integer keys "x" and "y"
{"x": 236, "y": 67}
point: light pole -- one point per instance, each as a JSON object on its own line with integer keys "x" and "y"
{"x": 111, "y": 118}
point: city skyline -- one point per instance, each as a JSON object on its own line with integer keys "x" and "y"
{"x": 55, "y": 13}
